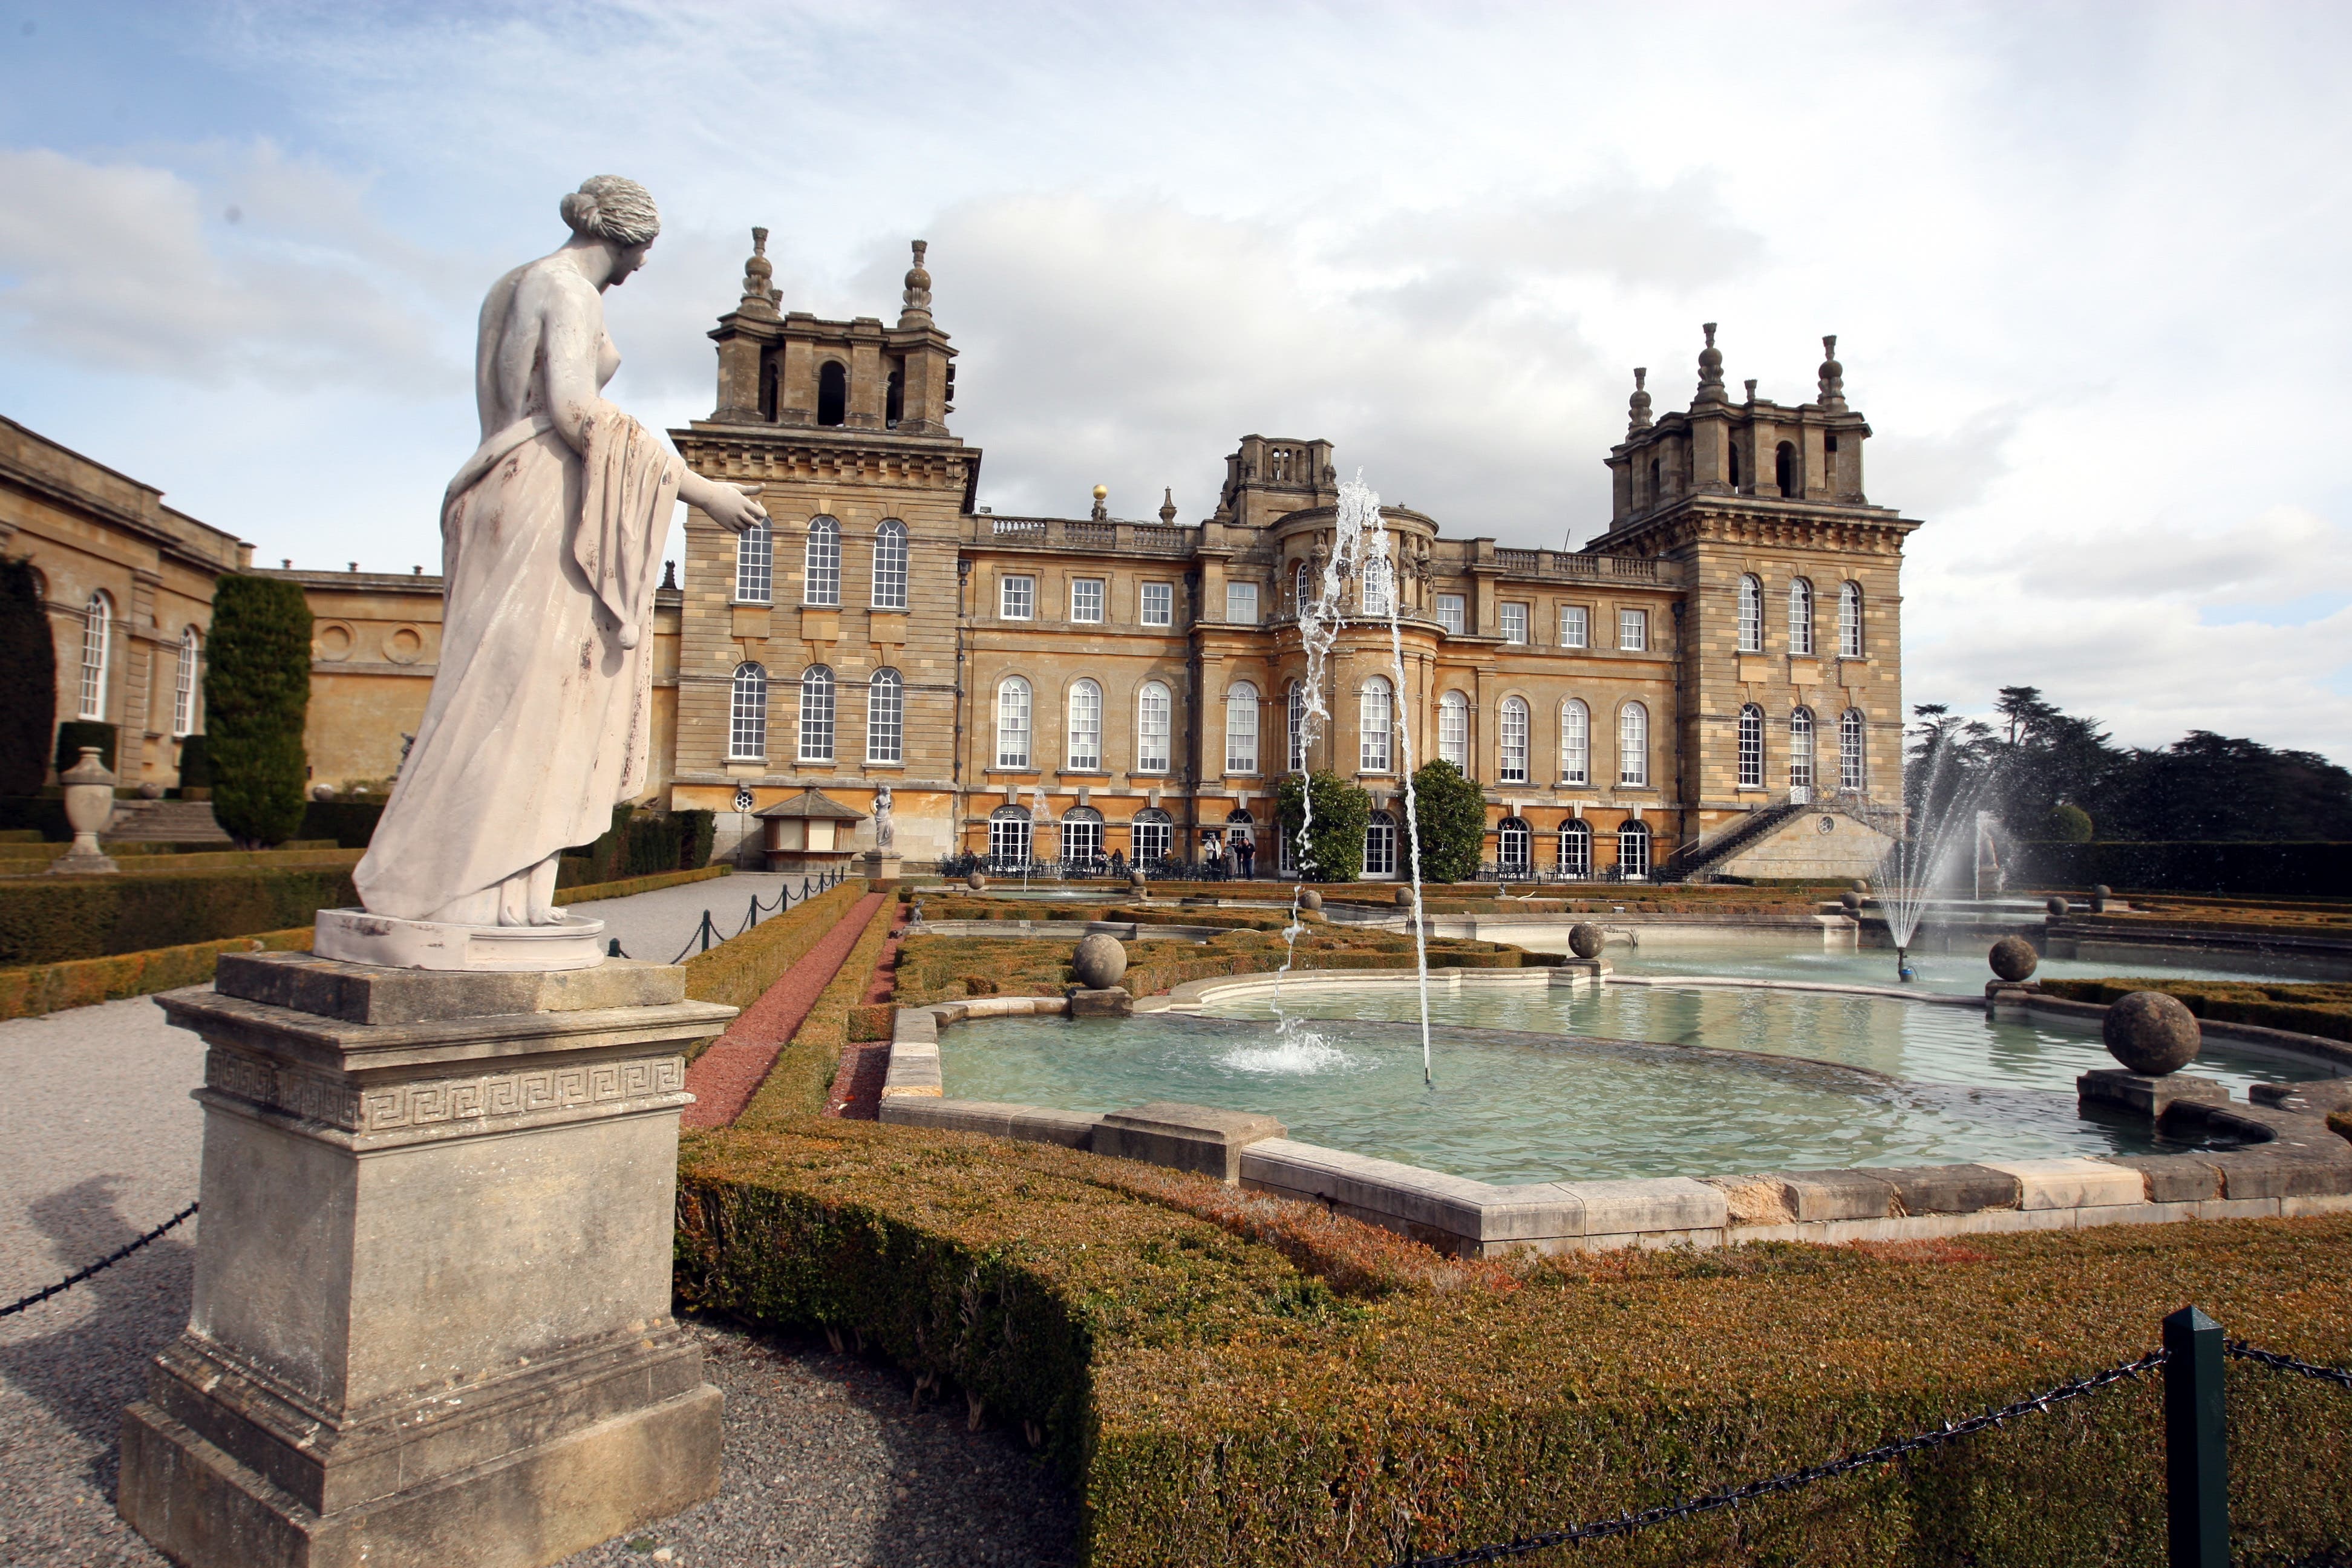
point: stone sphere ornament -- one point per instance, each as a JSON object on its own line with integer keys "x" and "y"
{"x": 1862, "y": 885}
{"x": 1099, "y": 962}
{"x": 2013, "y": 958}
{"x": 2056, "y": 906}
{"x": 1851, "y": 902}
{"x": 2151, "y": 1034}
{"x": 1586, "y": 940}
{"x": 1310, "y": 899}
{"x": 1404, "y": 898}
{"x": 976, "y": 883}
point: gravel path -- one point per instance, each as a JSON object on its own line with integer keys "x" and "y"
{"x": 825, "y": 1463}
{"x": 654, "y": 926}
{"x": 723, "y": 1079}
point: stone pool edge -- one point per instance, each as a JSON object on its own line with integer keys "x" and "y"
{"x": 2294, "y": 1166}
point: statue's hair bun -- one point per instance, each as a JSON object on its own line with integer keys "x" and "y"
{"x": 607, "y": 206}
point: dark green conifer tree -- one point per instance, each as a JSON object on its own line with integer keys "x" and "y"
{"x": 256, "y": 695}
{"x": 29, "y": 680}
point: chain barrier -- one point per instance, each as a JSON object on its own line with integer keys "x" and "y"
{"x": 2340, "y": 1377}
{"x": 109, "y": 1261}
{"x": 1952, "y": 1432}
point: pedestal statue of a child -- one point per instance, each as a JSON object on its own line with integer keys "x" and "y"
{"x": 551, "y": 536}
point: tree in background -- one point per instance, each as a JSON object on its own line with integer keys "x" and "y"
{"x": 29, "y": 680}
{"x": 1331, "y": 848}
{"x": 2068, "y": 824}
{"x": 1452, "y": 813}
{"x": 256, "y": 695}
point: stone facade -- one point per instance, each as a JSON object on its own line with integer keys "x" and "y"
{"x": 1138, "y": 675}
{"x": 128, "y": 583}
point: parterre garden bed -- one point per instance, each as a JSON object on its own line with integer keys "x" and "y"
{"x": 2309, "y": 1008}
{"x": 1227, "y": 1379}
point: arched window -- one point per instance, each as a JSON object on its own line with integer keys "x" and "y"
{"x": 1850, "y": 620}
{"x": 1297, "y": 715}
{"x": 832, "y": 392}
{"x": 1633, "y": 746}
{"x": 754, "y": 565}
{"x": 1241, "y": 728}
{"x": 886, "y": 716}
{"x": 1008, "y": 837}
{"x": 1800, "y": 618}
{"x": 1085, "y": 739}
{"x": 1302, "y": 593}
{"x": 823, "y": 582}
{"x": 747, "y": 734}
{"x": 1082, "y": 836}
{"x": 890, "y": 565}
{"x": 1575, "y": 743}
{"x": 1153, "y": 832}
{"x": 1376, "y": 723}
{"x": 1378, "y": 573}
{"x": 1514, "y": 844}
{"x": 1854, "y": 773}
{"x": 1800, "y": 755}
{"x": 816, "y": 714}
{"x": 1012, "y": 723}
{"x": 1634, "y": 850}
{"x": 1751, "y": 747}
{"x": 1511, "y": 758}
{"x": 1576, "y": 848}
{"x": 1784, "y": 468}
{"x": 1751, "y": 616}
{"x": 183, "y": 687}
{"x": 1454, "y": 730}
{"x": 1380, "y": 846}
{"x": 97, "y": 636}
{"x": 1153, "y": 715}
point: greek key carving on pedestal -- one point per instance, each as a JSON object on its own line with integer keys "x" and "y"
{"x": 486, "y": 1097}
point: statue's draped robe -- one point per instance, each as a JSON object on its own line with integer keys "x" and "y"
{"x": 540, "y": 717}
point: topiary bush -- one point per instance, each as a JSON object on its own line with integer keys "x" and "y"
{"x": 1332, "y": 848}
{"x": 28, "y": 680}
{"x": 195, "y": 764}
{"x": 1452, "y": 812}
{"x": 2068, "y": 824}
{"x": 256, "y": 696}
{"x": 76, "y": 733}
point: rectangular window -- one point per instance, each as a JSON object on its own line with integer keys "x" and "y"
{"x": 1454, "y": 731}
{"x": 823, "y": 580}
{"x": 1152, "y": 728}
{"x": 890, "y": 567}
{"x": 1241, "y": 604}
{"x": 1018, "y": 599}
{"x": 817, "y": 718}
{"x": 1575, "y": 627}
{"x": 1514, "y": 622}
{"x": 1633, "y": 630}
{"x": 886, "y": 719}
{"x": 1087, "y": 599}
{"x": 1512, "y": 761}
{"x": 755, "y": 563}
{"x": 1449, "y": 613}
{"x": 1159, "y": 604}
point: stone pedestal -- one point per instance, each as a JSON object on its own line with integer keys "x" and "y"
{"x": 880, "y": 865}
{"x": 431, "y": 1324}
{"x": 2140, "y": 1098}
{"x": 1110, "y": 1002}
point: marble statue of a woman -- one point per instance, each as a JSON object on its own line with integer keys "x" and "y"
{"x": 552, "y": 534}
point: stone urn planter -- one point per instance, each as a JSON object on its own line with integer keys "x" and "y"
{"x": 90, "y": 807}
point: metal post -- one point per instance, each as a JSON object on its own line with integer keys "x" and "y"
{"x": 2196, "y": 1463}
{"x": 705, "y": 932}
{"x": 613, "y": 948}
{"x": 751, "y": 916}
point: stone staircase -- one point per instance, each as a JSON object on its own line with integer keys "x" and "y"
{"x": 1701, "y": 857}
{"x": 165, "y": 821}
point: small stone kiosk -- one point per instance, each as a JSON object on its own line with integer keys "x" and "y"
{"x": 808, "y": 832}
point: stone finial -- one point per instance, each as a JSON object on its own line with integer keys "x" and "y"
{"x": 1101, "y": 512}
{"x": 1710, "y": 369}
{"x": 1750, "y": 385}
{"x": 1637, "y": 407}
{"x": 1832, "y": 374}
{"x": 918, "y": 311}
{"x": 759, "y": 278}
{"x": 1168, "y": 505}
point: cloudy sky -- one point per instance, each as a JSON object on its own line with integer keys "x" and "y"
{"x": 2086, "y": 265}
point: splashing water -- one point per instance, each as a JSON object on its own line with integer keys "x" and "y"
{"x": 1298, "y": 1051}
{"x": 1920, "y": 856}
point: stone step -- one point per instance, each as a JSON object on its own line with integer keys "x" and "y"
{"x": 165, "y": 821}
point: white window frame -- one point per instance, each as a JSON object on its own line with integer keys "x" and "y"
{"x": 1514, "y": 619}
{"x": 1800, "y": 618}
{"x": 1087, "y": 595}
{"x": 1158, "y": 604}
{"x": 1296, "y": 717}
{"x": 1081, "y": 739}
{"x": 1751, "y": 614}
{"x": 1381, "y": 837}
{"x": 1850, "y": 623}
{"x": 184, "y": 684}
{"x": 1452, "y": 613}
{"x": 1454, "y": 730}
{"x": 1575, "y": 742}
{"x": 1376, "y": 594}
{"x": 1575, "y": 625}
{"x": 886, "y": 716}
{"x": 1853, "y": 752}
{"x": 1577, "y": 861}
{"x": 1515, "y": 845}
{"x": 97, "y": 654}
{"x": 746, "y": 702}
{"x": 1633, "y": 631}
{"x": 816, "y": 714}
{"x": 755, "y": 565}
{"x": 890, "y": 559}
{"x": 1802, "y": 731}
{"x": 1634, "y": 849}
{"x": 821, "y": 565}
{"x": 1376, "y": 724}
{"x": 1009, "y": 830}
{"x": 1082, "y": 834}
{"x": 1016, "y": 597}
{"x": 1013, "y": 704}
{"x": 1511, "y": 740}
{"x": 1155, "y": 712}
{"x": 1633, "y": 746}
{"x": 1750, "y": 746}
{"x": 1241, "y": 728}
{"x": 1153, "y": 834}
{"x": 1241, "y": 604}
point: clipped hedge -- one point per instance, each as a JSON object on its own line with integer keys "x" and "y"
{"x": 350, "y": 823}
{"x": 1272, "y": 1385}
{"x": 2321, "y": 1009}
{"x": 2281, "y": 870}
{"x": 76, "y": 733}
{"x": 46, "y": 919}
{"x": 80, "y": 983}
{"x": 804, "y": 1071}
{"x": 737, "y": 970}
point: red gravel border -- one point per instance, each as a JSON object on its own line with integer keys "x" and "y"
{"x": 723, "y": 1079}
{"x": 858, "y": 1088}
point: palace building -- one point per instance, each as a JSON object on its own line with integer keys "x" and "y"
{"x": 1715, "y": 680}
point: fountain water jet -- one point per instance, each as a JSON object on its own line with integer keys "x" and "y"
{"x": 1920, "y": 856}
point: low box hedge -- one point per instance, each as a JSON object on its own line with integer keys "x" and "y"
{"x": 2324, "y": 1009}
{"x": 2256, "y": 869}
{"x": 49, "y": 919}
{"x": 80, "y": 983}
{"x": 934, "y": 968}
{"x": 737, "y": 970}
{"x": 1225, "y": 1379}
{"x": 797, "y": 1084}
{"x": 350, "y": 823}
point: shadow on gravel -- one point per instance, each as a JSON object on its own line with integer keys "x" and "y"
{"x": 84, "y": 1373}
